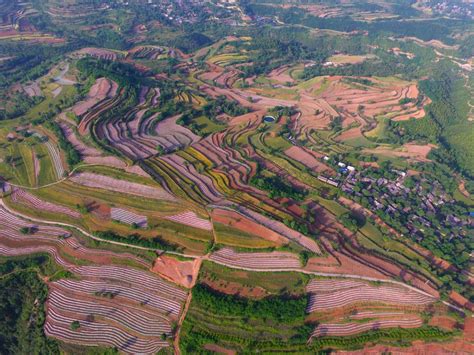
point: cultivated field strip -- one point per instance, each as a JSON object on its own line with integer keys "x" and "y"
{"x": 281, "y": 229}
{"x": 128, "y": 217}
{"x": 316, "y": 285}
{"x": 262, "y": 261}
{"x": 170, "y": 135}
{"x": 346, "y": 329}
{"x": 122, "y": 186}
{"x": 8, "y": 251}
{"x": 192, "y": 220}
{"x": 36, "y": 166}
{"x": 115, "y": 131}
{"x": 202, "y": 182}
{"x": 92, "y": 333}
{"x": 74, "y": 244}
{"x": 11, "y": 222}
{"x": 10, "y": 228}
{"x": 141, "y": 322}
{"x": 83, "y": 149}
{"x": 372, "y": 314}
{"x": 56, "y": 159}
{"x": 99, "y": 53}
{"x": 132, "y": 276}
{"x": 23, "y": 197}
{"x": 143, "y": 297}
{"x": 366, "y": 294}
{"x": 139, "y": 136}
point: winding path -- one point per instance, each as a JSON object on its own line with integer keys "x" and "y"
{"x": 206, "y": 257}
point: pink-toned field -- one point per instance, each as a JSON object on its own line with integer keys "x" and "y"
{"x": 123, "y": 186}
{"x": 25, "y": 198}
{"x": 191, "y": 219}
{"x": 262, "y": 261}
{"x": 411, "y": 151}
{"x": 330, "y": 294}
{"x": 307, "y": 159}
{"x": 346, "y": 329}
{"x": 101, "y": 89}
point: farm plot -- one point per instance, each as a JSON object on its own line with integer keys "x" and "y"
{"x": 148, "y": 52}
{"x": 128, "y": 217}
{"x": 122, "y": 307}
{"x": 10, "y": 222}
{"x": 202, "y": 184}
{"x": 191, "y": 219}
{"x": 143, "y": 323}
{"x": 342, "y": 297}
{"x": 23, "y": 197}
{"x": 307, "y": 159}
{"x": 9, "y": 252}
{"x": 170, "y": 135}
{"x": 55, "y": 240}
{"x": 262, "y": 261}
{"x": 92, "y": 155}
{"x": 100, "y": 53}
{"x": 122, "y": 186}
{"x": 102, "y": 89}
{"x": 245, "y": 225}
{"x": 145, "y": 280}
{"x": 130, "y": 294}
{"x": 281, "y": 229}
{"x": 356, "y": 101}
{"x": 117, "y": 134}
{"x": 56, "y": 158}
{"x": 347, "y": 329}
{"x": 129, "y": 329}
{"x": 103, "y": 98}
{"x": 316, "y": 285}
{"x": 138, "y": 138}
{"x": 410, "y": 151}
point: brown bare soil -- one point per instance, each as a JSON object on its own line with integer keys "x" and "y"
{"x": 235, "y": 288}
{"x": 347, "y": 266}
{"x": 238, "y": 221}
{"x": 417, "y": 114}
{"x": 462, "y": 189}
{"x": 443, "y": 322}
{"x": 219, "y": 349}
{"x": 349, "y": 134}
{"x": 281, "y": 75}
{"x": 410, "y": 151}
{"x": 304, "y": 157}
{"x": 183, "y": 273}
{"x": 460, "y": 300}
{"x": 32, "y": 90}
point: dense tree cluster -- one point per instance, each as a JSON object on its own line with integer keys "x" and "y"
{"x": 157, "y": 242}
{"x": 22, "y": 315}
{"x": 277, "y": 308}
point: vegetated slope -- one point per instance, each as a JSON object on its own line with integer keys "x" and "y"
{"x": 22, "y": 296}
{"x": 277, "y": 323}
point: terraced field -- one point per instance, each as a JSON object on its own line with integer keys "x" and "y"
{"x": 248, "y": 193}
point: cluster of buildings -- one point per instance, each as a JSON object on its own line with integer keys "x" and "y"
{"x": 419, "y": 207}
{"x": 454, "y": 8}
{"x": 344, "y": 170}
{"x": 188, "y": 11}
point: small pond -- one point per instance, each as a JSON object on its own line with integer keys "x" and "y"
{"x": 269, "y": 119}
